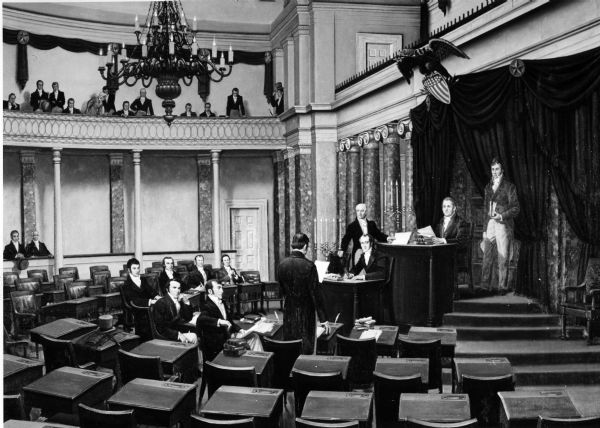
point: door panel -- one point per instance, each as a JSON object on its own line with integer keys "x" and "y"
{"x": 244, "y": 238}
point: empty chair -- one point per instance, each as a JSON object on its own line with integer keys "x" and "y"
{"x": 98, "y": 268}
{"x": 364, "y": 358}
{"x": 123, "y": 273}
{"x": 158, "y": 264}
{"x": 304, "y": 382}
{"x": 250, "y": 298}
{"x": 61, "y": 281}
{"x": 131, "y": 366}
{"x": 251, "y": 276}
{"x": 180, "y": 269}
{"x": 26, "y": 309}
{"x": 431, "y": 349}
{"x": 114, "y": 284}
{"x": 59, "y": 353}
{"x": 547, "y": 422}
{"x": 14, "y": 346}
{"x": 483, "y": 397}
{"x": 29, "y": 284}
{"x": 156, "y": 270}
{"x": 217, "y": 375}
{"x": 202, "y": 422}
{"x": 96, "y": 418}
{"x": 38, "y": 273}
{"x": 304, "y": 423}
{"x": 10, "y": 278}
{"x": 141, "y": 321}
{"x": 414, "y": 423}
{"x": 76, "y": 289}
{"x": 387, "y": 396}
{"x": 285, "y": 354}
{"x": 100, "y": 278}
{"x": 152, "y": 279}
{"x": 187, "y": 263}
{"x": 14, "y": 408}
{"x": 69, "y": 270}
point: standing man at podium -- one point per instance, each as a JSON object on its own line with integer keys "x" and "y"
{"x": 359, "y": 227}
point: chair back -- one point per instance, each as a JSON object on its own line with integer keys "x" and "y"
{"x": 285, "y": 354}
{"x": 152, "y": 279}
{"x": 100, "y": 277}
{"x": 115, "y": 284}
{"x": 152, "y": 322}
{"x": 180, "y": 269}
{"x": 98, "y": 268}
{"x": 76, "y": 289}
{"x": 24, "y": 302}
{"x": 387, "y": 396}
{"x": 304, "y": 382}
{"x": 38, "y": 273}
{"x": 187, "y": 263}
{"x": 202, "y": 422}
{"x": 28, "y": 284}
{"x": 250, "y": 296}
{"x": 14, "y": 407}
{"x": 589, "y": 422}
{"x": 132, "y": 366}
{"x": 141, "y": 321}
{"x": 414, "y": 423}
{"x": 57, "y": 353}
{"x": 364, "y": 358}
{"x": 69, "y": 270}
{"x": 10, "y": 278}
{"x": 155, "y": 269}
{"x": 158, "y": 264}
{"x": 464, "y": 256}
{"x": 96, "y": 418}
{"x": 305, "y": 423}
{"x": 431, "y": 349}
{"x": 251, "y": 276}
{"x": 483, "y": 397}
{"x": 217, "y": 375}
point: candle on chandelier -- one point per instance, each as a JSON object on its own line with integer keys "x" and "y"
{"x": 222, "y": 60}
{"x": 101, "y": 60}
{"x": 195, "y": 24}
{"x": 124, "y": 51}
{"x": 155, "y": 18}
{"x": 137, "y": 24}
{"x": 144, "y": 49}
{"x": 194, "y": 48}
{"x": 171, "y": 45}
{"x": 214, "y": 49}
{"x": 230, "y": 55}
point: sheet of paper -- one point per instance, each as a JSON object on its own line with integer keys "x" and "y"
{"x": 402, "y": 238}
{"x": 368, "y": 334}
{"x": 321, "y": 268}
{"x": 195, "y": 318}
{"x": 426, "y": 231}
{"x": 320, "y": 331}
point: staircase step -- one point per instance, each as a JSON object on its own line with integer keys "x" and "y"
{"x": 484, "y": 319}
{"x": 529, "y": 352}
{"x": 508, "y": 304}
{"x": 511, "y": 333}
{"x": 557, "y": 374}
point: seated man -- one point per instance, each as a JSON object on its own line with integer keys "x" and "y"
{"x": 143, "y": 104}
{"x": 199, "y": 276}
{"x": 11, "y": 103}
{"x": 168, "y": 274}
{"x": 56, "y": 97}
{"x": 207, "y": 111}
{"x": 370, "y": 265}
{"x": 38, "y": 95}
{"x": 71, "y": 107}
{"x": 136, "y": 289}
{"x": 452, "y": 229}
{"x": 227, "y": 274}
{"x": 188, "y": 111}
{"x": 14, "y": 249}
{"x": 215, "y": 324}
{"x": 171, "y": 311}
{"x": 125, "y": 112}
{"x": 36, "y": 248}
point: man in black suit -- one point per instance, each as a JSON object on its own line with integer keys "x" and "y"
{"x": 38, "y": 95}
{"x": 188, "y": 111}
{"x": 14, "y": 249}
{"x": 359, "y": 227}
{"x": 199, "y": 276}
{"x": 215, "y": 324}
{"x": 276, "y": 100}
{"x": 143, "y": 104}
{"x": 36, "y": 248}
{"x": 370, "y": 265}
{"x": 125, "y": 112}
{"x": 108, "y": 101}
{"x": 451, "y": 229}
{"x": 227, "y": 273}
{"x": 172, "y": 310}
{"x": 56, "y": 97}
{"x": 136, "y": 289}
{"x": 11, "y": 103}
{"x": 235, "y": 104}
{"x": 71, "y": 107}
{"x": 168, "y": 274}
{"x": 207, "y": 111}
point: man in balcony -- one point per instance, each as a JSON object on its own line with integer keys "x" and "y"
{"x": 207, "y": 111}
{"x": 108, "y": 100}
{"x": 11, "y": 103}
{"x": 143, "y": 104}
{"x": 235, "y": 104}
{"x": 188, "y": 111}
{"x": 125, "y": 112}
{"x": 38, "y": 95}
{"x": 36, "y": 248}
{"x": 56, "y": 97}
{"x": 71, "y": 107}
{"x": 14, "y": 249}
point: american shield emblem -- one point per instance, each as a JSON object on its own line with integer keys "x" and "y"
{"x": 437, "y": 86}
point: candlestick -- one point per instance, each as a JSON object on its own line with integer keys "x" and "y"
{"x": 326, "y": 234}
{"x": 195, "y": 24}
{"x": 101, "y": 59}
{"x": 194, "y": 48}
{"x": 155, "y": 18}
{"x": 222, "y": 60}
{"x": 214, "y": 48}
{"x": 230, "y": 55}
{"x": 124, "y": 52}
{"x": 144, "y": 49}
{"x": 137, "y": 24}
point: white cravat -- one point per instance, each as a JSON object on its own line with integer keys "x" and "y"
{"x": 136, "y": 280}
{"x": 37, "y": 244}
{"x": 142, "y": 100}
{"x": 367, "y": 255}
{"x": 56, "y": 95}
{"x": 16, "y": 244}
{"x": 220, "y": 305}
{"x": 446, "y": 223}
{"x": 177, "y": 304}
{"x": 496, "y": 183}
{"x": 169, "y": 273}
{"x": 203, "y": 272}
{"x": 363, "y": 225}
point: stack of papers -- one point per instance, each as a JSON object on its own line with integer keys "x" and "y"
{"x": 368, "y": 334}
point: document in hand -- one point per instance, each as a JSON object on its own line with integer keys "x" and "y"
{"x": 426, "y": 231}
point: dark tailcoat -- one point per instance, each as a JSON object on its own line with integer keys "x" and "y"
{"x": 213, "y": 336}
{"x": 10, "y": 252}
{"x": 32, "y": 251}
{"x": 457, "y": 231}
{"x": 120, "y": 113}
{"x": 75, "y": 111}
{"x": 222, "y": 276}
{"x": 507, "y": 203}
{"x": 203, "y": 114}
{"x": 109, "y": 103}
{"x": 57, "y": 101}
{"x": 167, "y": 319}
{"x": 138, "y": 295}
{"x": 376, "y": 267}
{"x": 299, "y": 281}
{"x": 37, "y": 98}
{"x": 195, "y": 278}
{"x": 163, "y": 281}
{"x": 7, "y": 106}
{"x": 146, "y": 106}
{"x": 277, "y": 104}
{"x": 235, "y": 105}
{"x": 192, "y": 114}
{"x": 354, "y": 232}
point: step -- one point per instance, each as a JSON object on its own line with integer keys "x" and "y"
{"x": 511, "y": 333}
{"x": 530, "y": 352}
{"x": 557, "y": 374}
{"x": 485, "y": 319}
{"x": 498, "y": 304}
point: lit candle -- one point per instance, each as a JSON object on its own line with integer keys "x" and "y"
{"x": 230, "y": 55}
{"x": 194, "y": 48}
{"x": 124, "y": 51}
{"x": 137, "y": 24}
{"x": 315, "y": 231}
{"x": 195, "y": 24}
{"x": 155, "y": 18}
{"x": 222, "y": 60}
{"x": 101, "y": 58}
{"x": 214, "y": 48}
{"x": 326, "y": 234}
{"x": 171, "y": 46}
{"x": 144, "y": 49}
{"x": 183, "y": 19}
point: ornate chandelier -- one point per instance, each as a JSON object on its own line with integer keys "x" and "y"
{"x": 167, "y": 51}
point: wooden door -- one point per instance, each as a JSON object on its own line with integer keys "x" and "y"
{"x": 245, "y": 238}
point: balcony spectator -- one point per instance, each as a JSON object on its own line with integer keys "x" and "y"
{"x": 38, "y": 95}
{"x": 11, "y": 103}
{"x": 143, "y": 104}
{"x": 56, "y": 97}
{"x": 125, "y": 112}
{"x": 71, "y": 107}
{"x": 188, "y": 111}
{"x": 108, "y": 100}
{"x": 235, "y": 104}
{"x": 207, "y": 111}
{"x": 37, "y": 248}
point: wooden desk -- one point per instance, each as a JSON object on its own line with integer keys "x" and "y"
{"x": 521, "y": 408}
{"x": 323, "y": 364}
{"x": 261, "y": 361}
{"x": 386, "y": 342}
{"x": 156, "y": 402}
{"x": 19, "y": 371}
{"x": 327, "y": 343}
{"x": 480, "y": 367}
{"x": 338, "y": 406}
{"x": 63, "y": 389}
{"x": 265, "y": 405}
{"x": 30, "y": 424}
{"x": 102, "y": 346}
{"x": 66, "y": 329}
{"x": 404, "y": 367}
{"x": 176, "y": 357}
{"x": 446, "y": 335}
{"x": 435, "y": 407}
{"x": 275, "y": 331}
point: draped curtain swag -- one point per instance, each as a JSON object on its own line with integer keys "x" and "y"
{"x": 544, "y": 126}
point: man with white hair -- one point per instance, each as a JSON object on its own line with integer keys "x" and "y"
{"x": 36, "y": 248}
{"x": 359, "y": 227}
{"x": 143, "y": 104}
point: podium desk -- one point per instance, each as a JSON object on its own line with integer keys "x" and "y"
{"x": 323, "y": 364}
{"x": 265, "y": 405}
{"x": 334, "y": 406}
{"x": 422, "y": 284}
{"x": 156, "y": 402}
{"x": 480, "y": 367}
{"x": 19, "y": 371}
{"x": 435, "y": 407}
{"x": 261, "y": 361}
{"x": 175, "y": 357}
{"x": 521, "y": 408}
{"x": 101, "y": 346}
{"x": 404, "y": 367}
{"x": 273, "y": 327}
{"x": 386, "y": 342}
{"x": 63, "y": 389}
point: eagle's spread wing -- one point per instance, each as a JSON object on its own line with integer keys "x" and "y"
{"x": 441, "y": 49}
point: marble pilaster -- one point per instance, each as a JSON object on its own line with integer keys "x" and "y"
{"x": 353, "y": 177}
{"x": 371, "y": 179}
{"x": 137, "y": 204}
{"x": 117, "y": 205}
{"x": 28, "y": 194}
{"x": 304, "y": 192}
{"x": 342, "y": 191}
{"x": 216, "y": 227}
{"x": 392, "y": 201}
{"x": 205, "y": 238}
{"x": 58, "y": 240}
{"x": 279, "y": 217}
{"x": 411, "y": 219}
{"x": 291, "y": 194}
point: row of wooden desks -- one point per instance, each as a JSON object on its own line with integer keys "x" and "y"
{"x": 261, "y": 361}
{"x": 175, "y": 357}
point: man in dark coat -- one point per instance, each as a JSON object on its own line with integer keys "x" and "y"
{"x": 143, "y": 104}
{"x": 359, "y": 227}
{"x": 170, "y": 312}
{"x": 188, "y": 111}
{"x": 11, "y": 103}
{"x": 14, "y": 249}
{"x": 452, "y": 229}
{"x": 227, "y": 273}
{"x": 370, "y": 265}
{"x": 56, "y": 97}
{"x": 299, "y": 282}
{"x": 38, "y": 95}
{"x": 215, "y": 324}
{"x": 207, "y": 111}
{"x": 136, "y": 289}
{"x": 168, "y": 274}
{"x": 36, "y": 248}
{"x": 199, "y": 276}
{"x": 125, "y": 112}
{"x": 235, "y": 104}
{"x": 70, "y": 109}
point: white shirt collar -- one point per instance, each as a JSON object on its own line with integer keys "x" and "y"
{"x": 176, "y": 302}
{"x": 137, "y": 280}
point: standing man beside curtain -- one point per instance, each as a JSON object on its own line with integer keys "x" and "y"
{"x": 500, "y": 206}
{"x": 359, "y": 227}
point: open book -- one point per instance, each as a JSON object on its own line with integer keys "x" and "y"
{"x": 426, "y": 231}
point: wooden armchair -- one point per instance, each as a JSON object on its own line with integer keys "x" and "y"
{"x": 59, "y": 353}
{"x": 583, "y": 301}
{"x": 12, "y": 345}
{"x": 26, "y": 310}
{"x": 90, "y": 417}
{"x": 41, "y": 273}
{"x": 69, "y": 270}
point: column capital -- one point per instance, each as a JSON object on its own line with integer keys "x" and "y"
{"x": 349, "y": 144}
{"x": 215, "y": 155}
{"x": 278, "y": 156}
{"x": 137, "y": 156}
{"x": 116, "y": 159}
{"x": 291, "y": 152}
{"x": 383, "y": 132}
{"x": 366, "y": 139}
{"x": 202, "y": 160}
{"x": 404, "y": 127}
{"x": 56, "y": 155}
{"x": 28, "y": 156}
